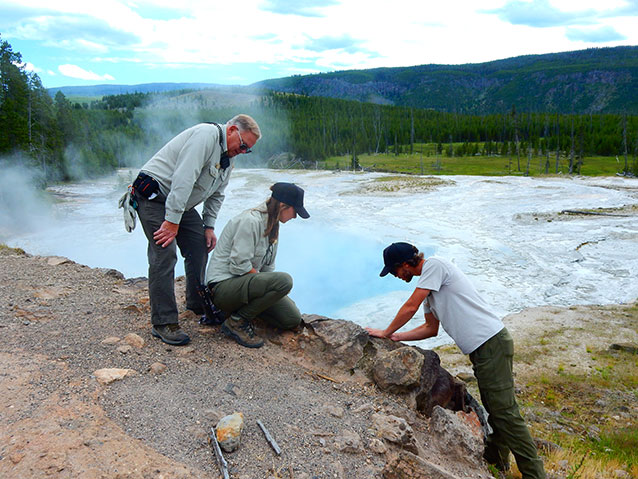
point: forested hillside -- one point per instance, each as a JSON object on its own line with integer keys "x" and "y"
{"x": 603, "y": 80}
{"x": 66, "y": 138}
{"x": 62, "y": 139}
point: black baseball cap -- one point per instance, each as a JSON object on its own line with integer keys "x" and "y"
{"x": 292, "y": 195}
{"x": 396, "y": 254}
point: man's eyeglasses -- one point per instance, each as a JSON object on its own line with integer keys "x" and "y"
{"x": 243, "y": 146}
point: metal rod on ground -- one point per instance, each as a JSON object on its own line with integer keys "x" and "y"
{"x": 269, "y": 438}
{"x": 223, "y": 465}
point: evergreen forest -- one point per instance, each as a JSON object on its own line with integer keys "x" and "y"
{"x": 68, "y": 138}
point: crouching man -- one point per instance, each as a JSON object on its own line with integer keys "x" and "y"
{"x": 450, "y": 299}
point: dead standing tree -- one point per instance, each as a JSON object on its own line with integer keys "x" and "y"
{"x": 557, "y": 142}
{"x": 516, "y": 138}
{"x": 624, "y": 142}
{"x": 571, "y": 151}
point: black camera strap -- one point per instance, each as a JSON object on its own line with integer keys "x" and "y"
{"x": 224, "y": 158}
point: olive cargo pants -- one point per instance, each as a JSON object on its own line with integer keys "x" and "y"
{"x": 492, "y": 362}
{"x": 259, "y": 294}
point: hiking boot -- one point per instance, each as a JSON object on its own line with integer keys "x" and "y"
{"x": 493, "y": 458}
{"x": 241, "y": 330}
{"x": 171, "y": 334}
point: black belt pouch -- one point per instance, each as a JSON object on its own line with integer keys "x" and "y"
{"x": 145, "y": 185}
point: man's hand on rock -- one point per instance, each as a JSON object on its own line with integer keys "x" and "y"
{"x": 377, "y": 333}
{"x": 165, "y": 234}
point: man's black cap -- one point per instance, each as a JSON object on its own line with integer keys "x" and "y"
{"x": 292, "y": 195}
{"x": 396, "y": 254}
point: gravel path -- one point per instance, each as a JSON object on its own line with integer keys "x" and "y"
{"x": 56, "y": 316}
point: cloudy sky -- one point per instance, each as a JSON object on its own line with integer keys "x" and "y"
{"x": 70, "y": 42}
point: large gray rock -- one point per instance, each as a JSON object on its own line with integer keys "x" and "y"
{"x": 343, "y": 341}
{"x": 395, "y": 430}
{"x": 398, "y": 371}
{"x": 459, "y": 435}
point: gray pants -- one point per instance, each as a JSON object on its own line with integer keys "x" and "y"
{"x": 161, "y": 261}
{"x": 492, "y": 362}
{"x": 259, "y": 294}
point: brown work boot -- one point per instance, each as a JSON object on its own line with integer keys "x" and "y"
{"x": 171, "y": 334}
{"x": 241, "y": 330}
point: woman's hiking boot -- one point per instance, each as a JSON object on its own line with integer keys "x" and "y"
{"x": 242, "y": 331}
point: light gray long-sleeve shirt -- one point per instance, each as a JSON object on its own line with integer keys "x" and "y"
{"x": 188, "y": 171}
{"x": 242, "y": 246}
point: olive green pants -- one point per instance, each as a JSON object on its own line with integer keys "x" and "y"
{"x": 259, "y": 294}
{"x": 492, "y": 362}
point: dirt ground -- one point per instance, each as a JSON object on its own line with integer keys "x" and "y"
{"x": 61, "y": 321}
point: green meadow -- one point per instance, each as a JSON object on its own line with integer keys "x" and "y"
{"x": 429, "y": 162}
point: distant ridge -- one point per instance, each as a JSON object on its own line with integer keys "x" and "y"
{"x": 101, "y": 90}
{"x": 596, "y": 80}
{"x": 599, "y": 80}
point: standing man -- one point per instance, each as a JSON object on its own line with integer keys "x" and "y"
{"x": 192, "y": 168}
{"x": 449, "y": 298}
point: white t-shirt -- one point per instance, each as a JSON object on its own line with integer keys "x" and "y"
{"x": 454, "y": 301}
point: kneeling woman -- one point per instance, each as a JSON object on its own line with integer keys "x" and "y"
{"x": 240, "y": 273}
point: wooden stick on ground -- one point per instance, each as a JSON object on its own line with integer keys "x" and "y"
{"x": 269, "y": 438}
{"x": 223, "y": 465}
{"x": 310, "y": 373}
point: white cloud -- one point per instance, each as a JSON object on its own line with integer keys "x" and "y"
{"x": 92, "y": 46}
{"x": 159, "y": 36}
{"x": 30, "y": 67}
{"x": 74, "y": 71}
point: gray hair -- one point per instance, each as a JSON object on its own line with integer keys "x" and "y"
{"x": 245, "y": 123}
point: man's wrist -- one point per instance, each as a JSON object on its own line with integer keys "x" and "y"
{"x": 209, "y": 227}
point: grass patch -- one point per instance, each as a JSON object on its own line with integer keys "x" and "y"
{"x": 620, "y": 444}
{"x": 4, "y": 249}
{"x": 430, "y": 163}
{"x": 596, "y": 424}
{"x": 81, "y": 99}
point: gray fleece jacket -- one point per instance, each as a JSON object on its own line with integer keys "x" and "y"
{"x": 242, "y": 246}
{"x": 188, "y": 171}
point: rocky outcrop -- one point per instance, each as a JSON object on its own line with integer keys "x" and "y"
{"x": 345, "y": 350}
{"x": 411, "y": 372}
